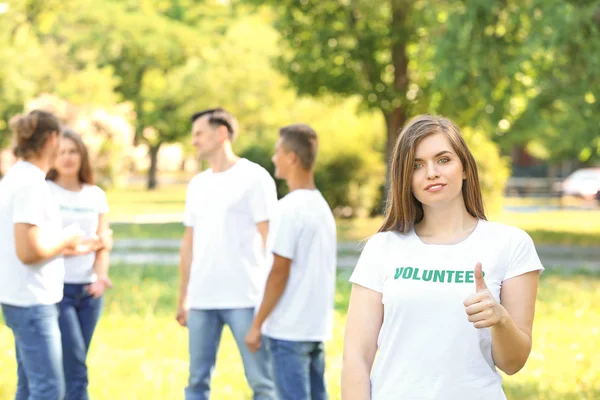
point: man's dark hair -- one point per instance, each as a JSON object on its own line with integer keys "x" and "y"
{"x": 219, "y": 117}
{"x": 303, "y": 141}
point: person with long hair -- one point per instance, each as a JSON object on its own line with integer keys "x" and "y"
{"x": 441, "y": 295}
{"x": 86, "y": 278}
{"x": 32, "y": 267}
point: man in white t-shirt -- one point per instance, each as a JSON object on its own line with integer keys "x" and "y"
{"x": 296, "y": 313}
{"x": 227, "y": 213}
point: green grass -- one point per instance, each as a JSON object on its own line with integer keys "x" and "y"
{"x": 139, "y": 351}
{"x": 565, "y": 227}
{"x": 170, "y": 230}
{"x": 125, "y": 202}
{"x": 578, "y": 228}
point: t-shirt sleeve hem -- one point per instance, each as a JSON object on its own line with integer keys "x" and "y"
{"x": 26, "y": 221}
{"x": 283, "y": 254}
{"x": 261, "y": 218}
{"x": 369, "y": 285}
{"x": 514, "y": 274}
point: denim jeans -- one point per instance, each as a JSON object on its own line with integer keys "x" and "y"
{"x": 38, "y": 350}
{"x": 298, "y": 369}
{"x": 205, "y": 328}
{"x": 79, "y": 313}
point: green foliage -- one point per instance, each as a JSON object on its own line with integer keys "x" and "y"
{"x": 493, "y": 169}
{"x": 527, "y": 72}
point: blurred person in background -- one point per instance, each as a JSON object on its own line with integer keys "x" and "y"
{"x": 32, "y": 240}
{"x": 296, "y": 314}
{"x": 86, "y": 273}
{"x": 222, "y": 258}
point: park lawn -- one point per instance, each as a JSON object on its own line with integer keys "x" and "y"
{"x": 139, "y": 351}
{"x": 559, "y": 227}
{"x": 576, "y": 228}
{"x": 135, "y": 199}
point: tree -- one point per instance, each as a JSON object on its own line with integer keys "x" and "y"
{"x": 523, "y": 71}
{"x": 526, "y": 71}
{"x": 353, "y": 47}
{"x": 155, "y": 59}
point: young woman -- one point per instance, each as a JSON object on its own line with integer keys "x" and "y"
{"x": 86, "y": 273}
{"x": 442, "y": 294}
{"x": 31, "y": 272}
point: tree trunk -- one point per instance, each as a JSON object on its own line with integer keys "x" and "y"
{"x": 394, "y": 122}
{"x": 400, "y": 34}
{"x": 152, "y": 171}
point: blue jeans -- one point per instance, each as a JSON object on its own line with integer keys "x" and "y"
{"x": 299, "y": 369}
{"x": 79, "y": 313}
{"x": 205, "y": 328}
{"x": 38, "y": 350}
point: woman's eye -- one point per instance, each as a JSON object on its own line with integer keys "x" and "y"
{"x": 443, "y": 160}
{"x": 417, "y": 166}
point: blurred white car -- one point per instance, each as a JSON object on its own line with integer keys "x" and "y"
{"x": 584, "y": 183}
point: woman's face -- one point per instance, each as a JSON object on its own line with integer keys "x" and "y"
{"x": 68, "y": 161}
{"x": 438, "y": 172}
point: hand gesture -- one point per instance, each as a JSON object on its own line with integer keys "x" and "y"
{"x": 253, "y": 339}
{"x": 97, "y": 289}
{"x": 182, "y": 315}
{"x": 482, "y": 308}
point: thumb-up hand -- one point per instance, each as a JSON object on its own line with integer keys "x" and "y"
{"x": 482, "y": 309}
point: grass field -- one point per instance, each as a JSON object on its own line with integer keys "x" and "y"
{"x": 565, "y": 227}
{"x": 139, "y": 351}
{"x": 579, "y": 228}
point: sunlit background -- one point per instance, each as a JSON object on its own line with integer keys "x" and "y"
{"x": 521, "y": 78}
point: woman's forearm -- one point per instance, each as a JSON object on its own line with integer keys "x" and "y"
{"x": 102, "y": 263}
{"x": 510, "y": 346}
{"x": 356, "y": 381}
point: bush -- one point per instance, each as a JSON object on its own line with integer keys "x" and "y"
{"x": 348, "y": 180}
{"x": 494, "y": 169}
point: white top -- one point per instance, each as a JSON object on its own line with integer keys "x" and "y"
{"x": 26, "y": 198}
{"x": 427, "y": 347}
{"x": 228, "y": 268}
{"x": 304, "y": 232}
{"x": 84, "y": 208}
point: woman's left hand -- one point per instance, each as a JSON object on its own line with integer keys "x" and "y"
{"x": 482, "y": 308}
{"x": 97, "y": 288}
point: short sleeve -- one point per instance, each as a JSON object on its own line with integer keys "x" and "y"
{"x": 523, "y": 256}
{"x": 102, "y": 202}
{"x": 369, "y": 271}
{"x": 29, "y": 205}
{"x": 188, "y": 214}
{"x": 287, "y": 234}
{"x": 263, "y": 197}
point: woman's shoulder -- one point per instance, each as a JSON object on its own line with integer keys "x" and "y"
{"x": 94, "y": 189}
{"x": 388, "y": 238}
{"x": 93, "y": 194}
{"x": 499, "y": 231}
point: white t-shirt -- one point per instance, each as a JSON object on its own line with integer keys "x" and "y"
{"x": 228, "y": 268}
{"x": 84, "y": 208}
{"x": 26, "y": 198}
{"x": 304, "y": 232}
{"x": 427, "y": 347}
